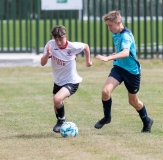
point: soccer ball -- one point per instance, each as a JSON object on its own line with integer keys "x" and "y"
{"x": 69, "y": 129}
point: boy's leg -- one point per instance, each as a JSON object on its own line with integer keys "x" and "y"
{"x": 59, "y": 107}
{"x": 132, "y": 83}
{"x": 140, "y": 108}
{"x": 110, "y": 85}
{"x": 64, "y": 92}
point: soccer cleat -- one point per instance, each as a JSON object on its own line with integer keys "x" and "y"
{"x": 147, "y": 127}
{"x": 101, "y": 123}
{"x": 58, "y": 125}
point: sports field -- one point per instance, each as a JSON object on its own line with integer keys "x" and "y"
{"x": 27, "y": 118}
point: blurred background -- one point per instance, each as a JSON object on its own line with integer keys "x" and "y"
{"x": 25, "y": 25}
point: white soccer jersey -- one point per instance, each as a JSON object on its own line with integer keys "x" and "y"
{"x": 64, "y": 62}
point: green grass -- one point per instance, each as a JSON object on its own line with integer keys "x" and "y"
{"x": 27, "y": 118}
{"x": 23, "y": 33}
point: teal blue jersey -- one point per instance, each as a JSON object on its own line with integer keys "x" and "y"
{"x": 125, "y": 40}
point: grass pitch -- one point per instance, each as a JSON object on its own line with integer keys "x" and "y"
{"x": 27, "y": 118}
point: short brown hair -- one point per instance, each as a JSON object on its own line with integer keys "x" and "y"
{"x": 113, "y": 16}
{"x": 58, "y": 31}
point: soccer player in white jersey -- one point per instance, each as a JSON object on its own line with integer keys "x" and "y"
{"x": 63, "y": 59}
{"x": 126, "y": 68}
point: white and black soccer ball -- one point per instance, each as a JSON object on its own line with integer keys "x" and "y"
{"x": 69, "y": 129}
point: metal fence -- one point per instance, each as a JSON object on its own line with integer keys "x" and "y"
{"x": 25, "y": 28}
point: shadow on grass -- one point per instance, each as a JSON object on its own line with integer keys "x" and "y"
{"x": 34, "y": 136}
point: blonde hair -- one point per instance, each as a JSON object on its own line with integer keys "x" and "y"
{"x": 113, "y": 16}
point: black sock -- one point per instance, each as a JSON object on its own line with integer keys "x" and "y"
{"x": 107, "y": 108}
{"x": 143, "y": 115}
{"x": 61, "y": 112}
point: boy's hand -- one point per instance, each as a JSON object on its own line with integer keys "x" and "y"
{"x": 89, "y": 64}
{"x": 49, "y": 49}
{"x": 103, "y": 58}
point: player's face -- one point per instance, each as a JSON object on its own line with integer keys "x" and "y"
{"x": 114, "y": 27}
{"x": 61, "y": 41}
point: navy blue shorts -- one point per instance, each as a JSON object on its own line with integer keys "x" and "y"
{"x": 71, "y": 87}
{"x": 131, "y": 81}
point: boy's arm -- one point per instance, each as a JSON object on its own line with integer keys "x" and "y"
{"x": 124, "y": 53}
{"x": 87, "y": 55}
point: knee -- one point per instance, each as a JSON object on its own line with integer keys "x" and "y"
{"x": 57, "y": 100}
{"x": 134, "y": 103}
{"x": 106, "y": 94}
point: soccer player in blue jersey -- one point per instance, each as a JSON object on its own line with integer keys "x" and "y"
{"x": 126, "y": 68}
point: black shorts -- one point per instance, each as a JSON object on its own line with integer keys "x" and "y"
{"x": 71, "y": 87}
{"x": 131, "y": 81}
